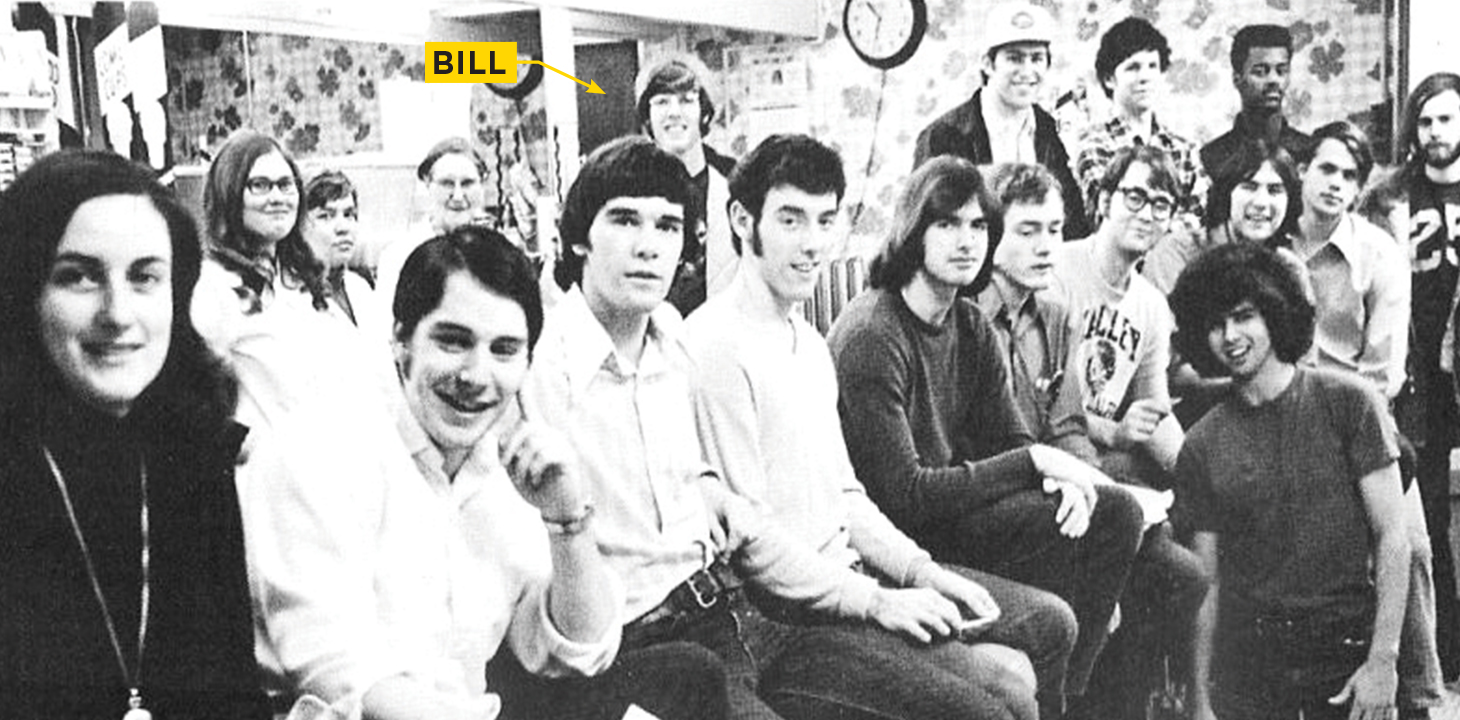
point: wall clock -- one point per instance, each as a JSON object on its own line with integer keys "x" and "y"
{"x": 885, "y": 33}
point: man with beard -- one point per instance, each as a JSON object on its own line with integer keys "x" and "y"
{"x": 1426, "y": 409}
{"x": 1261, "y": 59}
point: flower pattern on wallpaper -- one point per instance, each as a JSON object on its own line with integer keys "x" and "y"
{"x": 317, "y": 96}
{"x": 1340, "y": 45}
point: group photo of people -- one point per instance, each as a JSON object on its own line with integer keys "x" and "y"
{"x": 1098, "y": 421}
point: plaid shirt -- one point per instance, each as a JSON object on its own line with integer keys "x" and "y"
{"x": 1099, "y": 143}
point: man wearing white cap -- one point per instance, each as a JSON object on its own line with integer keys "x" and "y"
{"x": 1004, "y": 124}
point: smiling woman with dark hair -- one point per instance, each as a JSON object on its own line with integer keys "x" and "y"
{"x": 121, "y": 546}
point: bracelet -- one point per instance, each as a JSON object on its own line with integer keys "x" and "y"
{"x": 572, "y": 525}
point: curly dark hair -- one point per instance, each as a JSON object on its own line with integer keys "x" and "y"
{"x": 1124, "y": 39}
{"x": 1228, "y": 276}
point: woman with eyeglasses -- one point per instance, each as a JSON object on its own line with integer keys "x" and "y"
{"x": 263, "y": 302}
{"x": 125, "y": 591}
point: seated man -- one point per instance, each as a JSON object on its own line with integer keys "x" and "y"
{"x": 1293, "y": 481}
{"x": 612, "y": 372}
{"x": 383, "y": 586}
{"x": 768, "y": 406}
{"x": 933, "y": 431}
{"x": 1033, "y": 322}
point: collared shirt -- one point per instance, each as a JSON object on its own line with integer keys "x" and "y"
{"x": 367, "y": 565}
{"x": 1360, "y": 281}
{"x": 1099, "y": 143}
{"x": 1034, "y": 341}
{"x": 662, "y": 511}
{"x": 1011, "y": 139}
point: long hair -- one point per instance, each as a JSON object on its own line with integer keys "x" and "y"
{"x": 1409, "y": 149}
{"x": 229, "y": 242}
{"x": 935, "y": 191}
{"x": 1240, "y": 168}
{"x": 192, "y": 386}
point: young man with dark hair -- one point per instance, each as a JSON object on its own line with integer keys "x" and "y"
{"x": 675, "y": 110}
{"x": 1262, "y": 57}
{"x": 1426, "y": 409}
{"x": 934, "y": 433}
{"x": 612, "y": 372}
{"x": 1131, "y": 66}
{"x": 769, "y": 419}
{"x": 1293, "y": 481}
{"x": 1004, "y": 124}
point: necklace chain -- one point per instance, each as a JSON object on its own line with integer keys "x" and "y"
{"x": 132, "y": 676}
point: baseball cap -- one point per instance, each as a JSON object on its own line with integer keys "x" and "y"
{"x": 1012, "y": 22}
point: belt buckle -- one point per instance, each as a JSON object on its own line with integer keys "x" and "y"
{"x": 706, "y": 598}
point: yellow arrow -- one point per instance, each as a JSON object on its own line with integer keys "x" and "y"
{"x": 592, "y": 85}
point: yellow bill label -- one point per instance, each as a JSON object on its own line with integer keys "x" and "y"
{"x": 471, "y": 62}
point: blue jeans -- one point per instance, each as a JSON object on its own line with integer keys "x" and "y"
{"x": 850, "y": 671}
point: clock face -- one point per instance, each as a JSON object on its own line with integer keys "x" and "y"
{"x": 885, "y": 33}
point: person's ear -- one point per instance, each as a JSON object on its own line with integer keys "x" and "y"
{"x": 400, "y": 351}
{"x": 742, "y": 223}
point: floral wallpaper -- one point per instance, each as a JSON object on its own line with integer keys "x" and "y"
{"x": 873, "y": 118}
{"x": 317, "y": 96}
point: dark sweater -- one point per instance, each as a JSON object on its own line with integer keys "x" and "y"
{"x": 58, "y": 662}
{"x": 929, "y": 420}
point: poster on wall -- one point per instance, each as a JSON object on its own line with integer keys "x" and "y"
{"x": 771, "y": 85}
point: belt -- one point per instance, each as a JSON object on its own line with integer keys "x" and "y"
{"x": 707, "y": 589}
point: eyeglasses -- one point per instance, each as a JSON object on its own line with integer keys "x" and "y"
{"x": 262, "y": 185}
{"x": 1137, "y": 198}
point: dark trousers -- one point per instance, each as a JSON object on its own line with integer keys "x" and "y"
{"x": 672, "y": 681}
{"x": 1274, "y": 675}
{"x": 1037, "y": 623}
{"x": 1166, "y": 588}
{"x": 845, "y": 671}
{"x": 1433, "y": 474}
{"x": 1017, "y": 538}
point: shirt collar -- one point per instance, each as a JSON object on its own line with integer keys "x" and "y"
{"x": 587, "y": 347}
{"x": 481, "y": 463}
{"x": 1344, "y": 238}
